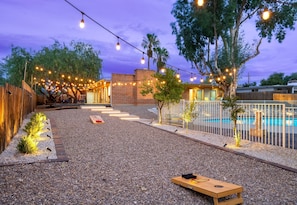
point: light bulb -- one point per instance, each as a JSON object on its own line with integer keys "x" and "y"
{"x": 142, "y": 60}
{"x": 266, "y": 14}
{"x": 82, "y": 23}
{"x": 118, "y": 46}
{"x": 200, "y": 2}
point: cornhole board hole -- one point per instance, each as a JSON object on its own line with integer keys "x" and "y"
{"x": 96, "y": 119}
{"x": 211, "y": 187}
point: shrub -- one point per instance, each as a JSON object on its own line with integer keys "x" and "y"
{"x": 39, "y": 117}
{"x": 27, "y": 145}
{"x": 35, "y": 127}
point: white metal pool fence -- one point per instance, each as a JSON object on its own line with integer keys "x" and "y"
{"x": 268, "y": 122}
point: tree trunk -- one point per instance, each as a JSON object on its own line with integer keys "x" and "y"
{"x": 148, "y": 63}
{"x": 159, "y": 115}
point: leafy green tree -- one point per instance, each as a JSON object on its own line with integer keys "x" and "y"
{"x": 55, "y": 69}
{"x": 293, "y": 76}
{"x": 2, "y": 79}
{"x": 274, "y": 79}
{"x": 15, "y": 65}
{"x": 211, "y": 36}
{"x": 66, "y": 69}
{"x": 150, "y": 42}
{"x": 167, "y": 89}
{"x": 249, "y": 84}
{"x": 161, "y": 58}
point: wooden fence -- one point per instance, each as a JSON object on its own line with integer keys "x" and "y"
{"x": 15, "y": 104}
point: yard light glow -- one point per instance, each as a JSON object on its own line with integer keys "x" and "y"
{"x": 82, "y": 22}
{"x": 142, "y": 61}
{"x": 266, "y": 14}
{"x": 118, "y": 46}
{"x": 200, "y": 2}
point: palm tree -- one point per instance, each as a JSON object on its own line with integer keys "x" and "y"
{"x": 150, "y": 42}
{"x": 162, "y": 56}
{"x": 235, "y": 109}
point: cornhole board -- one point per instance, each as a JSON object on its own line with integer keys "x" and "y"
{"x": 96, "y": 119}
{"x": 213, "y": 188}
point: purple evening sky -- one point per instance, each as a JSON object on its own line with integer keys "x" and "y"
{"x": 33, "y": 24}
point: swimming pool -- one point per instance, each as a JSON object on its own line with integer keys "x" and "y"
{"x": 265, "y": 121}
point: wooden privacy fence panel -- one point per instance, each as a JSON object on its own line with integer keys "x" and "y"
{"x": 15, "y": 104}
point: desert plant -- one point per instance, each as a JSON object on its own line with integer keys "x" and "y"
{"x": 35, "y": 127}
{"x": 27, "y": 145}
{"x": 231, "y": 103}
{"x": 189, "y": 114}
{"x": 39, "y": 116}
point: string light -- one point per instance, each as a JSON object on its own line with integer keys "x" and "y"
{"x": 266, "y": 14}
{"x": 119, "y": 38}
{"x": 191, "y": 78}
{"x": 142, "y": 61}
{"x": 118, "y": 46}
{"x": 82, "y": 22}
{"x": 200, "y": 2}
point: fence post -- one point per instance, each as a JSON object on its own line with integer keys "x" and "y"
{"x": 284, "y": 125}
{"x": 183, "y": 108}
{"x": 221, "y": 118}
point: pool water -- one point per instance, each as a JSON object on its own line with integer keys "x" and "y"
{"x": 265, "y": 121}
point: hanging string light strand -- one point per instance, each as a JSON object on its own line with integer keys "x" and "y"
{"x": 119, "y": 38}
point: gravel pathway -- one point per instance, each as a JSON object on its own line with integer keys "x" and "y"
{"x": 126, "y": 162}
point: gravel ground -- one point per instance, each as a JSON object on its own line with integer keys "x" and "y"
{"x": 126, "y": 162}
